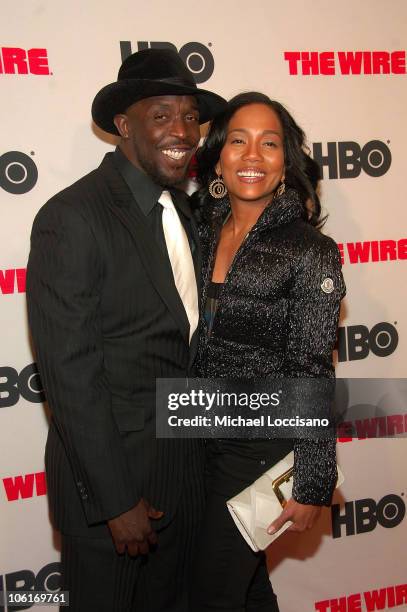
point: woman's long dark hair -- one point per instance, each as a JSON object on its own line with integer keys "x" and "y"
{"x": 302, "y": 173}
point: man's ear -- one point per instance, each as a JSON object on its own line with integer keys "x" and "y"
{"x": 122, "y": 125}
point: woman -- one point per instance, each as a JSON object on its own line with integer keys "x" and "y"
{"x": 272, "y": 287}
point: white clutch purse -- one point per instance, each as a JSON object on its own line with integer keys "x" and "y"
{"x": 254, "y": 508}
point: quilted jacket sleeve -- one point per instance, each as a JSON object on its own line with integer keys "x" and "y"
{"x": 313, "y": 320}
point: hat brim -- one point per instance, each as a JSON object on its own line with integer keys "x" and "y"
{"x": 117, "y": 97}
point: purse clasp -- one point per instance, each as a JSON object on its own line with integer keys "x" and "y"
{"x": 277, "y": 482}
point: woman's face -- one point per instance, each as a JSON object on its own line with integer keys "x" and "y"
{"x": 252, "y": 159}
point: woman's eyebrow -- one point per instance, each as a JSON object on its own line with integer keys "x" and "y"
{"x": 246, "y": 131}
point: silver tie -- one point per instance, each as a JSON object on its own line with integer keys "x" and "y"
{"x": 180, "y": 256}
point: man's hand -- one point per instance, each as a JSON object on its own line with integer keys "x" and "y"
{"x": 132, "y": 529}
{"x": 303, "y": 517}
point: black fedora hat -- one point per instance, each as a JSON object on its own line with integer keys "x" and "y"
{"x": 147, "y": 73}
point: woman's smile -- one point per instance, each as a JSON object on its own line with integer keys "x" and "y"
{"x": 251, "y": 175}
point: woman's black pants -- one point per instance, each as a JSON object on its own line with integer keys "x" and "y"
{"x": 227, "y": 574}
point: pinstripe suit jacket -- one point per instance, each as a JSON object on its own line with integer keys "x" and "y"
{"x": 106, "y": 321}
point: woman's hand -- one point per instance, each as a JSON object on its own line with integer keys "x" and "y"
{"x": 303, "y": 517}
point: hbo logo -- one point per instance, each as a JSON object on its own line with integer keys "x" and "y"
{"x": 196, "y": 56}
{"x": 363, "y": 515}
{"x": 27, "y": 384}
{"x": 348, "y": 159}
{"x": 356, "y": 341}
{"x": 48, "y": 579}
{"x": 18, "y": 172}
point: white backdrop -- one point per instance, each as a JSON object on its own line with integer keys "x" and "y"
{"x": 45, "y": 109}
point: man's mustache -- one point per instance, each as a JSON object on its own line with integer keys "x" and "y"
{"x": 180, "y": 144}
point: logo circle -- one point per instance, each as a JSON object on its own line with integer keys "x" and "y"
{"x": 383, "y": 339}
{"x": 49, "y": 578}
{"x": 390, "y": 511}
{"x": 375, "y": 158}
{"x": 34, "y": 383}
{"x": 13, "y": 171}
{"x": 18, "y": 172}
{"x": 195, "y": 63}
{"x": 199, "y": 61}
{"x": 52, "y": 582}
{"x": 29, "y": 384}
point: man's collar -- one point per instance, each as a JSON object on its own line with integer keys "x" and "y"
{"x": 142, "y": 187}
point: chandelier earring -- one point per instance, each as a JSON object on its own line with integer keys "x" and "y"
{"x": 217, "y": 188}
{"x": 281, "y": 189}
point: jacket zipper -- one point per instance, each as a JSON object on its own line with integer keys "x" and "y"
{"x": 230, "y": 270}
{"x": 238, "y": 252}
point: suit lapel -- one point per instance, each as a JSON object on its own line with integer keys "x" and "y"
{"x": 122, "y": 206}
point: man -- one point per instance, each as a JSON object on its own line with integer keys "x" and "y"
{"x": 112, "y": 302}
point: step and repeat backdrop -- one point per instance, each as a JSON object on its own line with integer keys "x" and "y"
{"x": 340, "y": 68}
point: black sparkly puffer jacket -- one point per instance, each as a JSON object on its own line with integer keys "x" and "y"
{"x": 277, "y": 317}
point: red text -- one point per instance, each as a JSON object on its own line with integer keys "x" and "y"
{"x": 14, "y": 60}
{"x": 22, "y": 487}
{"x": 375, "y": 427}
{"x": 13, "y": 280}
{"x": 329, "y": 63}
{"x": 373, "y": 251}
{"x": 378, "y": 599}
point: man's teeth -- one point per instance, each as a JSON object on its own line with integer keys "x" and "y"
{"x": 250, "y": 174}
{"x": 174, "y": 153}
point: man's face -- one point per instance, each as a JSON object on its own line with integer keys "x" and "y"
{"x": 160, "y": 135}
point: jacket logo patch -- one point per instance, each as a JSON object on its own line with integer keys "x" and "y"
{"x": 327, "y": 285}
